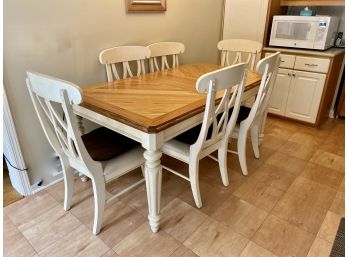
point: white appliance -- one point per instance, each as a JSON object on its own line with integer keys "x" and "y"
{"x": 312, "y": 32}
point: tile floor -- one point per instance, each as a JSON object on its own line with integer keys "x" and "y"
{"x": 289, "y": 205}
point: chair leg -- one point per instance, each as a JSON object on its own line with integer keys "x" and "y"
{"x": 255, "y": 140}
{"x": 99, "y": 203}
{"x": 68, "y": 174}
{"x": 241, "y": 145}
{"x": 193, "y": 171}
{"x": 222, "y": 156}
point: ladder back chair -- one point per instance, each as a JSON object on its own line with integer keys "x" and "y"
{"x": 162, "y": 50}
{"x": 237, "y": 48}
{"x": 101, "y": 155}
{"x": 213, "y": 134}
{"x": 115, "y": 56}
{"x": 254, "y": 118}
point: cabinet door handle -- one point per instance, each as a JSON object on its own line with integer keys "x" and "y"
{"x": 282, "y": 61}
{"x": 289, "y": 74}
{"x": 311, "y": 64}
{"x": 293, "y": 75}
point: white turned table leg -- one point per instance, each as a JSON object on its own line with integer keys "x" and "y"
{"x": 153, "y": 178}
{"x": 82, "y": 131}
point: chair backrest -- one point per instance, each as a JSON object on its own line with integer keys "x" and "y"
{"x": 124, "y": 54}
{"x": 238, "y": 48}
{"x": 217, "y": 123}
{"x": 53, "y": 99}
{"x": 268, "y": 67}
{"x": 162, "y": 50}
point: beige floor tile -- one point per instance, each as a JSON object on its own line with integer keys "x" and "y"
{"x": 320, "y": 248}
{"x": 322, "y": 175}
{"x": 305, "y": 204}
{"x": 241, "y": 216}
{"x": 253, "y": 250}
{"x": 110, "y": 253}
{"x": 82, "y": 190}
{"x": 287, "y": 163}
{"x": 23, "y": 211}
{"x": 306, "y": 139}
{"x": 182, "y": 251}
{"x": 212, "y": 197}
{"x": 329, "y": 227}
{"x": 137, "y": 199}
{"x": 281, "y": 130}
{"x": 329, "y": 160}
{"x": 49, "y": 227}
{"x": 213, "y": 177}
{"x": 338, "y": 204}
{"x": 213, "y": 238}
{"x": 252, "y": 163}
{"x": 333, "y": 144}
{"x": 180, "y": 219}
{"x": 142, "y": 242}
{"x": 173, "y": 185}
{"x": 119, "y": 220}
{"x": 272, "y": 142}
{"x": 80, "y": 242}
{"x": 304, "y": 152}
{"x": 315, "y": 194}
{"x": 117, "y": 185}
{"x": 265, "y": 187}
{"x": 282, "y": 238}
{"x": 14, "y": 243}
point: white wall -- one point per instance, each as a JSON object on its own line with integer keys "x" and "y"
{"x": 63, "y": 39}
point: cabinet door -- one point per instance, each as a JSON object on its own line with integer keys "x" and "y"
{"x": 278, "y": 99}
{"x": 304, "y": 95}
{"x": 245, "y": 19}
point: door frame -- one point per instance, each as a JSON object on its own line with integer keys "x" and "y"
{"x": 11, "y": 147}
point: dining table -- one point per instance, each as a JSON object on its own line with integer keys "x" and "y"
{"x": 152, "y": 109}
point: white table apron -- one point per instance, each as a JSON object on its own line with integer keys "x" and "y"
{"x": 152, "y": 143}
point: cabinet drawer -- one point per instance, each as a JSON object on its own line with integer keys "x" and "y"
{"x": 312, "y": 64}
{"x": 286, "y": 60}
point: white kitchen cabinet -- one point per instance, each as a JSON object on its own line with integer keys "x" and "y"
{"x": 298, "y": 91}
{"x": 277, "y": 102}
{"x": 304, "y": 95}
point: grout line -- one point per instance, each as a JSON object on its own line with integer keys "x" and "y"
{"x": 20, "y": 232}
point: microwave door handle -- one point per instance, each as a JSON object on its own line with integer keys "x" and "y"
{"x": 311, "y": 64}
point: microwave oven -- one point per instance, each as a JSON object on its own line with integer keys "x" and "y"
{"x": 311, "y": 32}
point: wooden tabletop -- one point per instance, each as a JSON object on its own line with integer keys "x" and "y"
{"x": 154, "y": 101}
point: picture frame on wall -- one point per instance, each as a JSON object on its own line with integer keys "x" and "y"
{"x": 146, "y": 5}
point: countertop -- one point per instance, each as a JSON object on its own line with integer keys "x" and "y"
{"x": 331, "y": 52}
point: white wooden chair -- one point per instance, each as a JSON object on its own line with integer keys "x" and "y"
{"x": 162, "y": 50}
{"x": 101, "y": 155}
{"x": 213, "y": 133}
{"x": 113, "y": 57}
{"x": 238, "y": 48}
{"x": 253, "y": 118}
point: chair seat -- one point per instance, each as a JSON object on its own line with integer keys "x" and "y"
{"x": 104, "y": 144}
{"x": 177, "y": 149}
{"x": 190, "y": 136}
{"x": 123, "y": 163}
{"x": 243, "y": 113}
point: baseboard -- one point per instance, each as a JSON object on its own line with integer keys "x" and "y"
{"x": 35, "y": 188}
